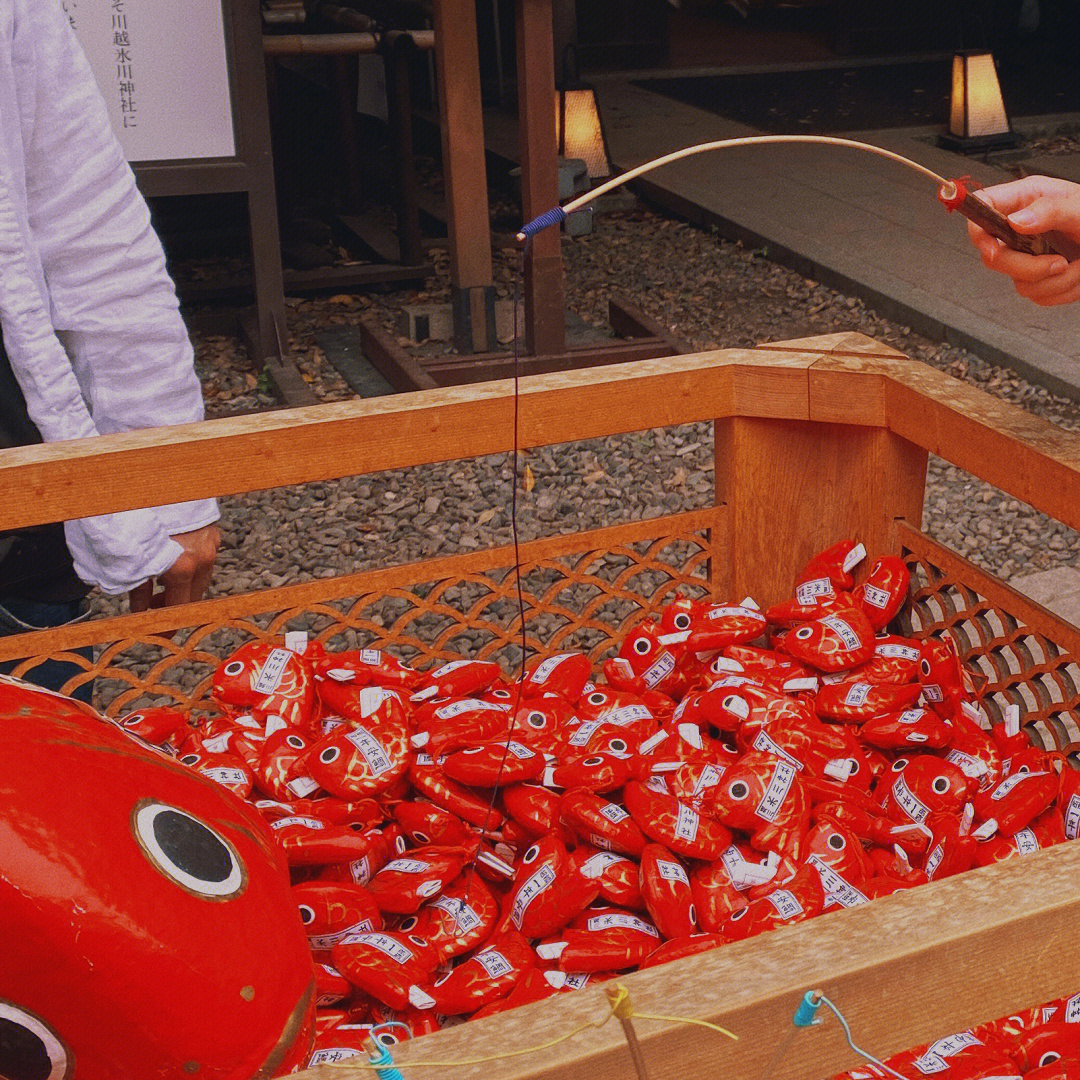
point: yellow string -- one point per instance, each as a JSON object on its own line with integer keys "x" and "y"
{"x": 620, "y": 1007}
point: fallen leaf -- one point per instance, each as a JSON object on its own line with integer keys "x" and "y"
{"x": 486, "y": 516}
{"x": 530, "y": 480}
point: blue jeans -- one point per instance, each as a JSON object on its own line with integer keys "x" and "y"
{"x": 22, "y": 616}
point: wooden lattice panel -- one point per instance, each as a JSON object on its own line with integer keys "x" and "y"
{"x": 582, "y": 591}
{"x": 1022, "y": 653}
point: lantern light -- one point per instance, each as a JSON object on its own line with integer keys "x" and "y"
{"x": 977, "y": 116}
{"x": 578, "y": 130}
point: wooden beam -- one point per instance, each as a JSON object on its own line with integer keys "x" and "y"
{"x": 321, "y": 442}
{"x": 461, "y": 123}
{"x": 904, "y": 969}
{"x": 545, "y": 314}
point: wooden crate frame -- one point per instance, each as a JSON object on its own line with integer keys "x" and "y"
{"x": 815, "y": 439}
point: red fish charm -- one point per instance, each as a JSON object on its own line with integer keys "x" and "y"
{"x": 603, "y": 824}
{"x": 403, "y": 884}
{"x": 616, "y": 875}
{"x": 457, "y": 920}
{"x": 273, "y": 680}
{"x": 763, "y": 795}
{"x": 925, "y": 785}
{"x": 494, "y": 763}
{"x": 331, "y": 910}
{"x": 547, "y": 891}
{"x": 835, "y": 642}
{"x": 388, "y": 965}
{"x": 663, "y": 818}
{"x": 884, "y": 591}
{"x": 856, "y": 701}
{"x": 910, "y": 727}
{"x": 800, "y": 898}
{"x": 665, "y": 888}
{"x": 603, "y": 939}
{"x": 563, "y": 675}
{"x": 489, "y": 974}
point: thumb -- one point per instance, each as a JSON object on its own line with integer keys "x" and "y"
{"x": 1044, "y": 214}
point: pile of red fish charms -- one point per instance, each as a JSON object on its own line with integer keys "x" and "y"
{"x": 460, "y": 844}
{"x": 1042, "y": 1043}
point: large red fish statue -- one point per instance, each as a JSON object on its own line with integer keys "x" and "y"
{"x": 146, "y": 924}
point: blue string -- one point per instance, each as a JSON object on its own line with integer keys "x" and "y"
{"x": 381, "y": 1059}
{"x": 801, "y": 1020}
{"x": 555, "y": 216}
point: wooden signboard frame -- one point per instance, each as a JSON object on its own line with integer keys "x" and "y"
{"x": 250, "y": 171}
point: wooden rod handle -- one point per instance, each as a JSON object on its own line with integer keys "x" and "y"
{"x": 997, "y": 224}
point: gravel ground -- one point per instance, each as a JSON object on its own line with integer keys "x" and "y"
{"x": 713, "y": 294}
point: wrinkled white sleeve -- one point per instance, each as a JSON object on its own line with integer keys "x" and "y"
{"x": 112, "y": 300}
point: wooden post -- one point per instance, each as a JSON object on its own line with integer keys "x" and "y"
{"x": 398, "y": 67}
{"x": 545, "y": 316}
{"x": 794, "y": 488}
{"x": 461, "y": 122}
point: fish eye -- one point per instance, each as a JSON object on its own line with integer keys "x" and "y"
{"x": 536, "y": 720}
{"x": 233, "y": 668}
{"x": 190, "y": 759}
{"x": 924, "y": 667}
{"x": 1023, "y": 770}
{"x": 307, "y": 915}
{"x": 330, "y": 755}
{"x": 836, "y": 842}
{"x": 400, "y": 845}
{"x": 591, "y": 761}
{"x": 853, "y": 767}
{"x": 421, "y": 838}
{"x": 618, "y": 745}
{"x": 1048, "y": 1058}
{"x": 29, "y": 1048}
{"x": 191, "y": 854}
{"x": 804, "y": 633}
{"x": 682, "y": 621}
{"x": 295, "y": 742}
{"x": 729, "y": 702}
{"x": 501, "y": 694}
{"x": 739, "y": 790}
{"x": 736, "y": 915}
{"x": 899, "y": 764}
{"x": 693, "y": 914}
{"x": 131, "y": 721}
{"x": 530, "y": 855}
{"x": 597, "y": 698}
{"x": 642, "y": 646}
{"x": 409, "y": 923}
{"x": 417, "y": 940}
{"x": 940, "y": 784}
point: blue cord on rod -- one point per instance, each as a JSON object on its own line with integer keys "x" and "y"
{"x": 554, "y": 216}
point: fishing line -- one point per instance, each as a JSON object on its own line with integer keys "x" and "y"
{"x": 520, "y": 596}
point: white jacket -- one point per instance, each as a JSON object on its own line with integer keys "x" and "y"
{"x": 89, "y": 314}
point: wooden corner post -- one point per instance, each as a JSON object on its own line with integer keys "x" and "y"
{"x": 793, "y": 487}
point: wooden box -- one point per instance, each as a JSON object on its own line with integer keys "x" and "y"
{"x": 815, "y": 440}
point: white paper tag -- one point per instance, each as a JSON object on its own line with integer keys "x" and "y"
{"x": 388, "y": 945}
{"x": 670, "y": 871}
{"x": 843, "y": 631}
{"x": 595, "y": 865}
{"x": 857, "y": 694}
{"x": 875, "y": 597}
{"x": 836, "y": 885}
{"x": 893, "y": 651}
{"x": 407, "y": 866}
{"x": 787, "y": 906}
{"x": 686, "y": 823}
{"x": 532, "y": 888}
{"x": 854, "y": 557}
{"x": 227, "y": 776}
{"x": 909, "y": 802}
{"x": 765, "y": 742}
{"x": 303, "y": 786}
{"x": 613, "y": 812}
{"x": 1027, "y": 843}
{"x": 494, "y": 963}
{"x": 323, "y": 942}
{"x": 307, "y": 822}
{"x": 663, "y": 666}
{"x": 775, "y": 794}
{"x": 545, "y": 669}
{"x": 809, "y": 591}
{"x": 296, "y": 641}
{"x": 1011, "y": 782}
{"x": 1072, "y": 818}
{"x": 271, "y": 672}
{"x": 616, "y": 920}
{"x": 372, "y": 751}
